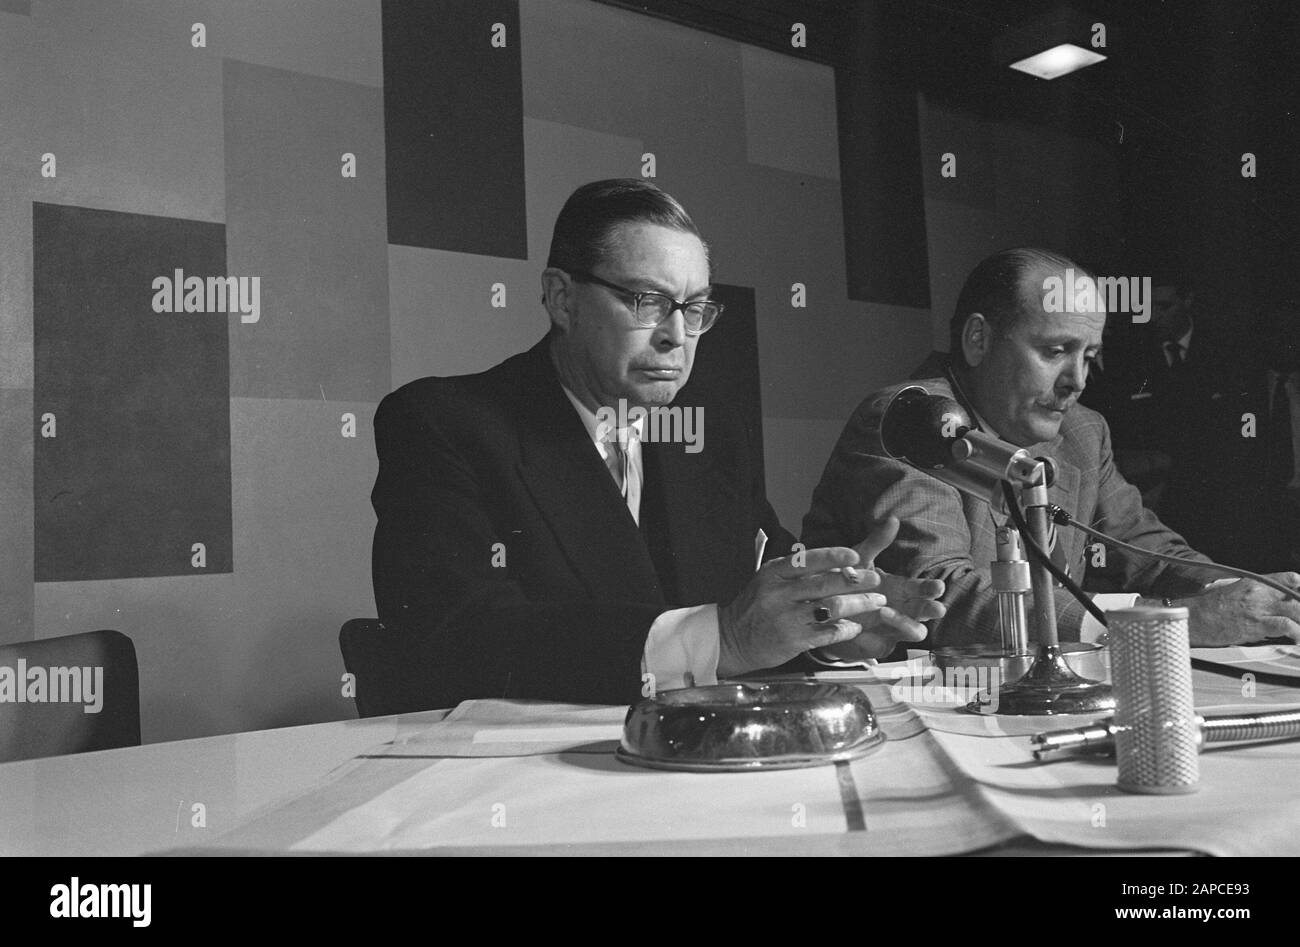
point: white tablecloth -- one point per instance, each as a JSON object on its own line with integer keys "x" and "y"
{"x": 517, "y": 775}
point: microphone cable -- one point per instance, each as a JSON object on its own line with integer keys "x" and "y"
{"x": 1027, "y": 537}
{"x": 1062, "y": 518}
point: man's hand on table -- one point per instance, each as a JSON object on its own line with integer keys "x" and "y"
{"x": 909, "y": 602}
{"x": 1241, "y": 612}
{"x": 867, "y": 611}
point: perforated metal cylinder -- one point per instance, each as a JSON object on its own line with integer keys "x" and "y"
{"x": 1012, "y": 583}
{"x": 1156, "y": 731}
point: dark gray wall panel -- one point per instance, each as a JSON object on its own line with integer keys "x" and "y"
{"x": 453, "y": 121}
{"x": 140, "y": 468}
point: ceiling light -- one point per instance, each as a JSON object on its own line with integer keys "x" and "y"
{"x": 1057, "y": 61}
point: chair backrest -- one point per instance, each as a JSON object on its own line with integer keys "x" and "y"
{"x": 70, "y": 694}
{"x": 366, "y": 657}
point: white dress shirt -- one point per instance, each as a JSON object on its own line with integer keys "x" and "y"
{"x": 682, "y": 648}
{"x": 1184, "y": 343}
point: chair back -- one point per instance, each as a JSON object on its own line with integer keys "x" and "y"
{"x": 70, "y": 694}
{"x": 369, "y": 658}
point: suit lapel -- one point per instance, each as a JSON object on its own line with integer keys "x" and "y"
{"x": 573, "y": 490}
{"x": 700, "y": 512}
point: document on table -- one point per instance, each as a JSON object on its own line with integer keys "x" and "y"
{"x": 515, "y": 728}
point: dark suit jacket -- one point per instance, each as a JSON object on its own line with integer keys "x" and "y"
{"x": 480, "y": 467}
{"x": 945, "y": 534}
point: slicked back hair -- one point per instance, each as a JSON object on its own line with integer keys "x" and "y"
{"x": 583, "y": 236}
{"x": 996, "y": 290}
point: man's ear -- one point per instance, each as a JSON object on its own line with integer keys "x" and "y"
{"x": 976, "y": 338}
{"x": 557, "y": 297}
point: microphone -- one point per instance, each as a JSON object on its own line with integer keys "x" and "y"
{"x": 936, "y": 434}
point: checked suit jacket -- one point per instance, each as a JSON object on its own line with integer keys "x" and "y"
{"x": 505, "y": 561}
{"x": 948, "y": 535}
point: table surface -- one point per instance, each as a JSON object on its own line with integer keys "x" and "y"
{"x": 267, "y": 785}
{"x": 141, "y": 799}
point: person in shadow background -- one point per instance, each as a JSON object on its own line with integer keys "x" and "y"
{"x": 1176, "y": 392}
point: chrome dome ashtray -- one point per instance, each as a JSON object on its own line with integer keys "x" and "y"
{"x": 747, "y": 726}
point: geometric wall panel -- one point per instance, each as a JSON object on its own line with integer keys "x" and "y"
{"x": 16, "y": 590}
{"x": 453, "y": 121}
{"x": 790, "y": 120}
{"x": 441, "y": 312}
{"x": 679, "y": 91}
{"x": 15, "y": 282}
{"x": 138, "y": 471}
{"x": 561, "y": 158}
{"x": 884, "y": 202}
{"x": 310, "y": 223}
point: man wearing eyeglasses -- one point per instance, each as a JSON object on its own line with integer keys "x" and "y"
{"x": 534, "y": 542}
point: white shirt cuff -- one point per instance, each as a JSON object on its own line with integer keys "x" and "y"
{"x": 1091, "y": 631}
{"x": 682, "y": 649}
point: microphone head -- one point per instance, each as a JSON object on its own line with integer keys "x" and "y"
{"x": 920, "y": 428}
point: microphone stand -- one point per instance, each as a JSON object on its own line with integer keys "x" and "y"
{"x": 1049, "y": 686}
{"x": 935, "y": 434}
